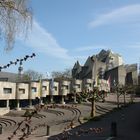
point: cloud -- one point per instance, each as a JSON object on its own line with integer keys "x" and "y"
{"x": 43, "y": 41}
{"x": 127, "y": 14}
{"x": 89, "y": 48}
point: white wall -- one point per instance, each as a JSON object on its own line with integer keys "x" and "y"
{"x": 34, "y": 94}
{"x": 55, "y": 88}
{"x": 65, "y": 88}
{"x": 45, "y": 88}
{"x": 20, "y": 93}
{"x": 11, "y": 95}
{"x": 77, "y": 85}
{"x": 88, "y": 84}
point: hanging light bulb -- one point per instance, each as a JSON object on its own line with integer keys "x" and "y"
{"x": 11, "y": 62}
{"x": 8, "y": 65}
{"x": 4, "y": 67}
{"x": 27, "y": 56}
{"x": 33, "y": 54}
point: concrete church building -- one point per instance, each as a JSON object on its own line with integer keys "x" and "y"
{"x": 106, "y": 65}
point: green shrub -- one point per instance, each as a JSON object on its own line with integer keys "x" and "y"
{"x": 27, "y": 113}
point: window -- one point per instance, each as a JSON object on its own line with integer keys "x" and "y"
{"x": 89, "y": 84}
{"x": 44, "y": 87}
{"x": 34, "y": 89}
{"x": 55, "y": 88}
{"x": 21, "y": 91}
{"x": 7, "y": 90}
{"x": 78, "y": 85}
{"x": 3, "y": 79}
{"x": 65, "y": 87}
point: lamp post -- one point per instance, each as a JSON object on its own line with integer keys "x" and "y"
{"x": 20, "y": 70}
{"x": 93, "y": 111}
{"x": 41, "y": 91}
{"x": 52, "y": 90}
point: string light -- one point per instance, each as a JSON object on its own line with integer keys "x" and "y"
{"x": 17, "y": 60}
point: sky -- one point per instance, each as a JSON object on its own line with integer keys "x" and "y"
{"x": 65, "y": 31}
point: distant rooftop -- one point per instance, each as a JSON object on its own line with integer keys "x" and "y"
{"x": 7, "y": 76}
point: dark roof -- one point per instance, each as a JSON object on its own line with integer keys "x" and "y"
{"x": 102, "y": 55}
{"x": 7, "y": 76}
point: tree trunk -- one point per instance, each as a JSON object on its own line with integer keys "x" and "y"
{"x": 124, "y": 98}
{"x": 118, "y": 102}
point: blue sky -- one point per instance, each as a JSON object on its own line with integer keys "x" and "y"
{"x": 65, "y": 31}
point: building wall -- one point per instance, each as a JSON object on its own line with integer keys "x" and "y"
{"x": 113, "y": 60}
{"x": 132, "y": 74}
{"x": 45, "y": 88}
{"x": 135, "y": 77}
{"x": 55, "y": 90}
{"x": 96, "y": 71}
{"x": 88, "y": 84}
{"x": 65, "y": 87}
{"x": 22, "y": 91}
{"x": 34, "y": 90}
{"x": 77, "y": 85}
{"x": 7, "y": 90}
{"x": 117, "y": 76}
{"x": 113, "y": 75}
{"x": 121, "y": 75}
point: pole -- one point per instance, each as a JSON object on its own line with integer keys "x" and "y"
{"x": 124, "y": 98}
{"x": 52, "y": 90}
{"x": 75, "y": 96}
{"x": 20, "y": 69}
{"x": 41, "y": 100}
{"x": 93, "y": 113}
{"x": 113, "y": 129}
{"x": 30, "y": 95}
{"x": 48, "y": 130}
{"x": 7, "y": 103}
{"x": 63, "y": 100}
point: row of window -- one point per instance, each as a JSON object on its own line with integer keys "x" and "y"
{"x": 9, "y": 90}
{"x": 34, "y": 89}
{"x": 44, "y": 88}
{"x": 22, "y": 91}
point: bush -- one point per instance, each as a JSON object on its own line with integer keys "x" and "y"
{"x": 27, "y": 113}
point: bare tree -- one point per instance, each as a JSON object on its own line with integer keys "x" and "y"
{"x": 66, "y": 74}
{"x": 32, "y": 75}
{"x": 123, "y": 90}
{"x": 15, "y": 19}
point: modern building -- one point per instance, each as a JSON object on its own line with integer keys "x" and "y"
{"x": 104, "y": 70}
{"x": 106, "y": 65}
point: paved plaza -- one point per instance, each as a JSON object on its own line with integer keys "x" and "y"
{"x": 62, "y": 118}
